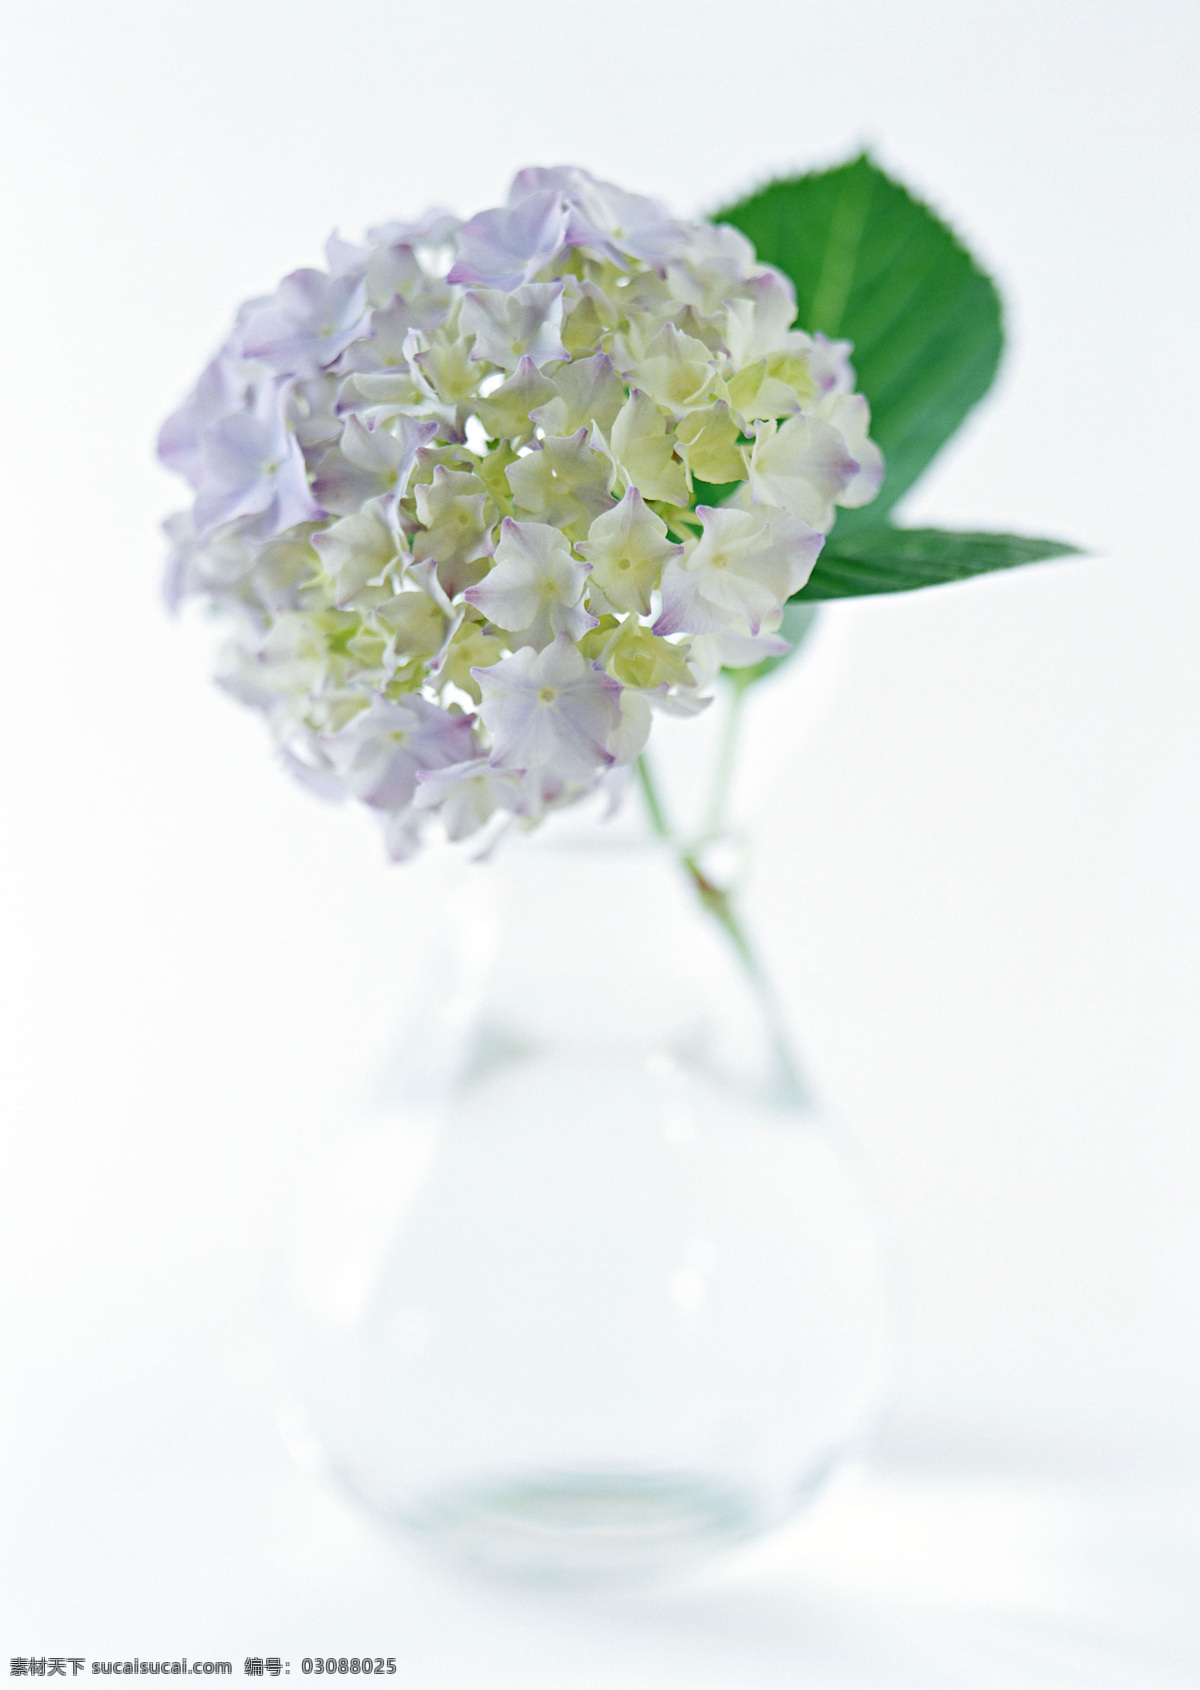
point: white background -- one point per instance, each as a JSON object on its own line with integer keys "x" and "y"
{"x": 977, "y": 863}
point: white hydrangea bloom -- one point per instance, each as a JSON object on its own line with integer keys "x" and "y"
{"x": 452, "y": 492}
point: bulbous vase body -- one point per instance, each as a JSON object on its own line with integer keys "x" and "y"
{"x": 598, "y": 1293}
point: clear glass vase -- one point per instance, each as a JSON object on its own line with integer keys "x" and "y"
{"x": 598, "y": 1293}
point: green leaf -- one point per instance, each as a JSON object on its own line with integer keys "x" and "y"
{"x": 871, "y": 264}
{"x": 896, "y": 560}
{"x": 713, "y": 492}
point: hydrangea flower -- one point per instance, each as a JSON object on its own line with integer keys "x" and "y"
{"x": 446, "y": 491}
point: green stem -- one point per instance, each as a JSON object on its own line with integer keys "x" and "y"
{"x": 654, "y": 805}
{"x": 723, "y": 771}
{"x": 719, "y": 904}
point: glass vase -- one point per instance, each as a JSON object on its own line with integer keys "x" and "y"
{"x": 597, "y": 1293}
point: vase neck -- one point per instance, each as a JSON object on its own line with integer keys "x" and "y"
{"x": 591, "y": 943}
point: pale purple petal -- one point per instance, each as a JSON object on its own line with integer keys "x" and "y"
{"x": 402, "y": 835}
{"x": 511, "y": 326}
{"x": 741, "y": 651}
{"x": 436, "y": 228}
{"x": 467, "y": 795}
{"x": 740, "y": 574}
{"x": 221, "y": 391}
{"x": 508, "y": 246}
{"x": 368, "y": 463}
{"x": 535, "y": 586}
{"x": 829, "y": 361}
{"x": 380, "y": 753}
{"x": 550, "y": 710}
{"x": 254, "y": 468}
{"x": 601, "y": 218}
{"x": 390, "y": 325}
{"x": 312, "y": 319}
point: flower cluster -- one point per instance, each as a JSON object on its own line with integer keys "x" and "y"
{"x": 459, "y": 492}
